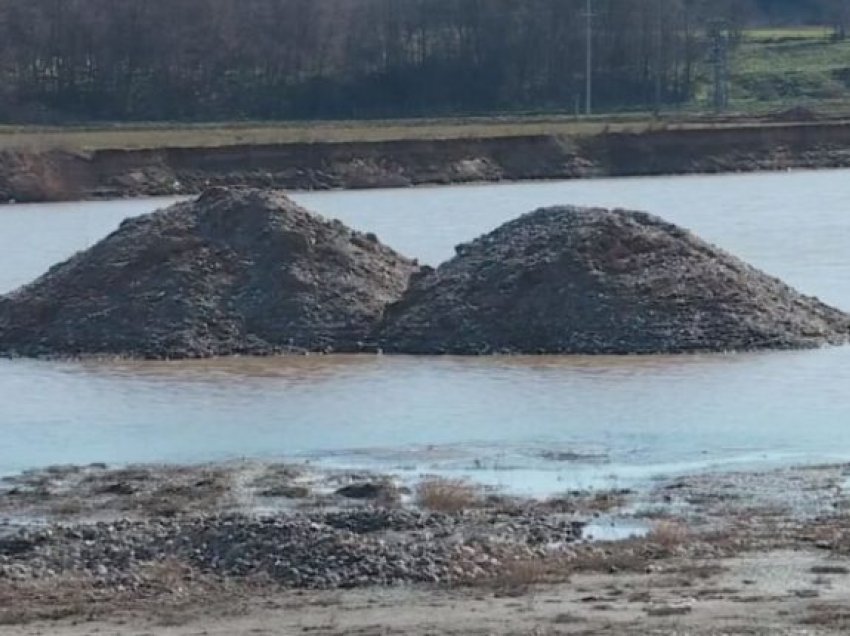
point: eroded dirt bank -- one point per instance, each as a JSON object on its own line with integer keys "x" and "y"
{"x": 265, "y": 548}
{"x": 28, "y": 175}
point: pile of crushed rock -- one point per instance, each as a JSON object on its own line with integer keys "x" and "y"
{"x": 592, "y": 281}
{"x": 233, "y": 272}
{"x": 244, "y": 271}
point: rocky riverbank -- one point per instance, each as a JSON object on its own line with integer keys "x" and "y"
{"x": 267, "y": 544}
{"x": 286, "y": 525}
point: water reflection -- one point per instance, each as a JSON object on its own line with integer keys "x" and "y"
{"x": 284, "y": 370}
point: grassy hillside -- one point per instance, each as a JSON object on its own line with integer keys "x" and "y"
{"x": 777, "y": 68}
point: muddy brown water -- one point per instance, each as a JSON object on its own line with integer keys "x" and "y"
{"x": 532, "y": 425}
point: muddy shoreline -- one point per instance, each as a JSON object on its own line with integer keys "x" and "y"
{"x": 29, "y": 175}
{"x": 254, "y": 547}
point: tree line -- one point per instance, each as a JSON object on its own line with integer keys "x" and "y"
{"x": 84, "y": 60}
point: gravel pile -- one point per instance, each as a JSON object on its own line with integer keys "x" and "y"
{"x": 250, "y": 272}
{"x": 594, "y": 281}
{"x": 321, "y": 550}
{"x": 233, "y": 272}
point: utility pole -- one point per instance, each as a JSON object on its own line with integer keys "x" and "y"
{"x": 720, "y": 63}
{"x": 659, "y": 55}
{"x": 589, "y": 70}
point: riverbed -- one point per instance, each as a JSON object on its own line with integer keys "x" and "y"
{"x": 528, "y": 425}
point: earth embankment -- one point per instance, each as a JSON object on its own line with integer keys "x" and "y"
{"x": 28, "y": 175}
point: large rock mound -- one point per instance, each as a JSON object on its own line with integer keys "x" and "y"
{"x": 234, "y": 272}
{"x": 592, "y": 281}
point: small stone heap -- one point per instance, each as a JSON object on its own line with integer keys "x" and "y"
{"x": 351, "y": 548}
{"x": 592, "y": 281}
{"x": 233, "y": 272}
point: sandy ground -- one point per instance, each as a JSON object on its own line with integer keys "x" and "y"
{"x": 763, "y": 553}
{"x": 782, "y": 592}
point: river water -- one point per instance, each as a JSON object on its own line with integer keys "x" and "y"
{"x": 531, "y": 425}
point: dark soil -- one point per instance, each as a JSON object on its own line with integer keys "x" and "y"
{"x": 235, "y": 272}
{"x": 592, "y": 281}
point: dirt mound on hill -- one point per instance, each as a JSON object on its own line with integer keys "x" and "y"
{"x": 592, "y": 281}
{"x": 234, "y": 272}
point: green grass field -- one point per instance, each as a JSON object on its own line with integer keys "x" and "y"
{"x": 159, "y": 136}
{"x": 776, "y": 68}
{"x": 779, "y": 34}
{"x": 209, "y": 135}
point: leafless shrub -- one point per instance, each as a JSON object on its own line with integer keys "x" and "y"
{"x": 669, "y": 534}
{"x": 515, "y": 577}
{"x": 605, "y": 502}
{"x": 522, "y": 574}
{"x": 447, "y": 495}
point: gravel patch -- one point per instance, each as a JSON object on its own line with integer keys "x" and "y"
{"x": 320, "y": 550}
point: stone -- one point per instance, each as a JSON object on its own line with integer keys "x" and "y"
{"x": 286, "y": 492}
{"x": 368, "y": 490}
